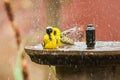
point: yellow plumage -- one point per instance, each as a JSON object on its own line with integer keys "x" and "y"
{"x": 57, "y": 34}
{"x": 49, "y": 41}
{"x": 49, "y": 44}
{"x": 62, "y": 40}
{"x": 54, "y": 39}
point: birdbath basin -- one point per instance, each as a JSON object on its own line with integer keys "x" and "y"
{"x": 79, "y": 63}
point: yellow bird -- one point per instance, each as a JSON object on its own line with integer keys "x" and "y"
{"x": 61, "y": 39}
{"x": 54, "y": 39}
{"x": 57, "y": 34}
{"x": 49, "y": 41}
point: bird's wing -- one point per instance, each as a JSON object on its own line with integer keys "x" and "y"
{"x": 66, "y": 40}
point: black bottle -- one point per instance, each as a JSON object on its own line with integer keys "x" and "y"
{"x": 90, "y": 36}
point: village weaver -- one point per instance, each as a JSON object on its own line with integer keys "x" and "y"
{"x": 49, "y": 41}
{"x": 61, "y": 38}
{"x": 54, "y": 38}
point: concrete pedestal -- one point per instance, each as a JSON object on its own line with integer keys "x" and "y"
{"x": 88, "y": 73}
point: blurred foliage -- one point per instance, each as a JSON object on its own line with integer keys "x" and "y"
{"x": 53, "y": 70}
{"x": 18, "y": 69}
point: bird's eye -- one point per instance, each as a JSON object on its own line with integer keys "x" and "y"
{"x": 54, "y": 32}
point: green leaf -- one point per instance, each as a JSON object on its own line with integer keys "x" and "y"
{"x": 53, "y": 69}
{"x": 18, "y": 67}
{"x": 18, "y": 75}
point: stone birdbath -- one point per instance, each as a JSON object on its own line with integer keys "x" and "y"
{"x": 79, "y": 63}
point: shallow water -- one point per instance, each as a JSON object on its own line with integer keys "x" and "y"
{"x": 81, "y": 46}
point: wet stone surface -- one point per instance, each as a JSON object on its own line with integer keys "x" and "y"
{"x": 105, "y": 53}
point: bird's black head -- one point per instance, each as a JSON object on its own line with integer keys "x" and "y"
{"x": 49, "y": 30}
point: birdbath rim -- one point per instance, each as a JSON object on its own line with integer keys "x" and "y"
{"x": 77, "y": 54}
{"x": 101, "y": 46}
